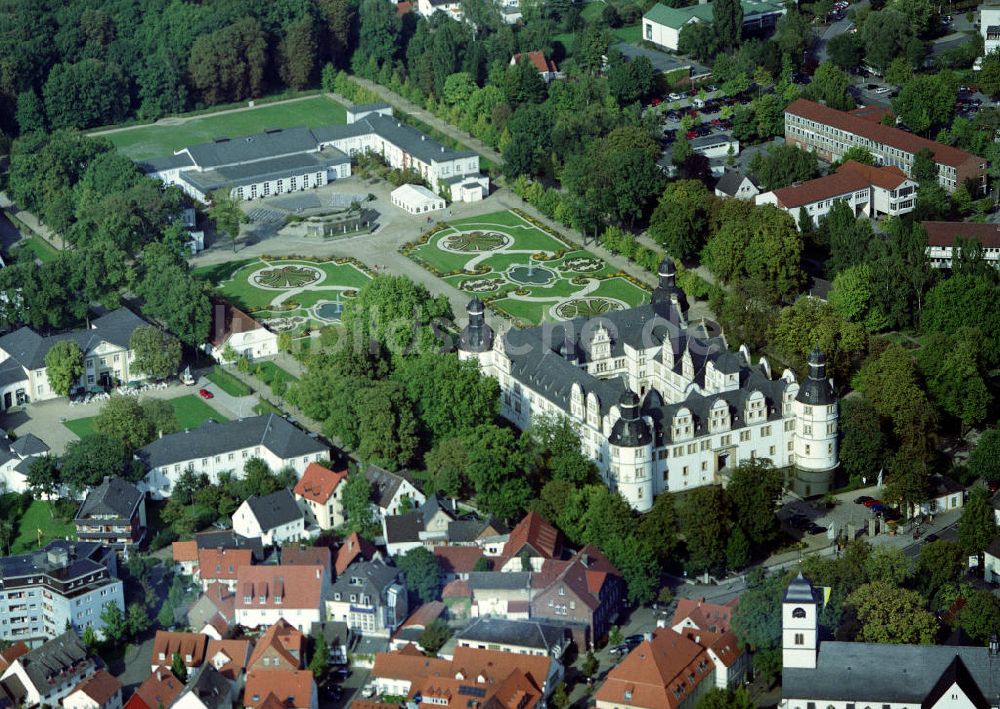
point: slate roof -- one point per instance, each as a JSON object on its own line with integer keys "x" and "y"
{"x": 856, "y": 672}
{"x": 403, "y": 528}
{"x": 274, "y": 510}
{"x": 384, "y": 484}
{"x": 264, "y": 170}
{"x": 394, "y": 131}
{"x": 994, "y": 547}
{"x": 731, "y": 180}
{"x": 28, "y": 348}
{"x": 273, "y": 432}
{"x": 167, "y": 162}
{"x": 29, "y": 444}
{"x": 113, "y": 498}
{"x": 800, "y": 591}
{"x": 227, "y": 539}
{"x": 11, "y": 373}
{"x": 521, "y": 633}
{"x": 251, "y": 148}
{"x": 212, "y": 688}
{"x": 63, "y": 653}
{"x": 498, "y": 580}
{"x": 374, "y": 578}
{"x": 469, "y": 530}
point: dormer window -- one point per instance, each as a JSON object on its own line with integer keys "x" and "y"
{"x": 246, "y": 599}
{"x": 262, "y": 599}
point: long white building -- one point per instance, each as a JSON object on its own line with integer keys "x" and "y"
{"x": 659, "y": 405}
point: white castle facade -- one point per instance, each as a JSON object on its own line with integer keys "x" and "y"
{"x": 658, "y": 406}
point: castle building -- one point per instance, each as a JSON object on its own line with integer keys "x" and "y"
{"x": 844, "y": 675}
{"x": 661, "y": 405}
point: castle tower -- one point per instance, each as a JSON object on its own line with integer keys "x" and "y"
{"x": 816, "y": 414}
{"x": 800, "y": 624}
{"x": 668, "y": 293}
{"x": 477, "y": 337}
{"x": 631, "y": 444}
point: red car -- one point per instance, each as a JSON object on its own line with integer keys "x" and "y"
{"x": 692, "y": 134}
{"x": 872, "y": 503}
{"x": 205, "y": 394}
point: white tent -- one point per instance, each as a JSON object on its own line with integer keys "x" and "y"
{"x": 416, "y": 199}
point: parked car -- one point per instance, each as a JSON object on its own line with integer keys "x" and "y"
{"x": 931, "y": 538}
{"x": 340, "y": 672}
{"x": 634, "y": 640}
{"x": 205, "y": 394}
{"x": 814, "y": 528}
{"x": 862, "y": 499}
{"x": 622, "y": 649}
{"x": 871, "y": 502}
{"x": 675, "y": 97}
{"x": 692, "y": 134}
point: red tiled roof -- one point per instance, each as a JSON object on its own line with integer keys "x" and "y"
{"x": 456, "y": 589}
{"x": 318, "y": 483}
{"x": 834, "y": 185}
{"x": 875, "y": 114}
{"x": 533, "y": 531}
{"x": 518, "y": 606}
{"x": 136, "y": 702}
{"x": 404, "y": 7}
{"x": 425, "y": 615}
{"x": 294, "y": 586}
{"x": 887, "y": 177}
{"x": 457, "y": 560}
{"x": 900, "y": 139}
{"x": 185, "y": 551}
{"x": 712, "y": 617}
{"x": 353, "y": 547}
{"x": 945, "y": 233}
{"x": 222, "y": 563}
{"x": 227, "y": 320}
{"x": 300, "y": 555}
{"x": 12, "y": 653}
{"x": 294, "y": 688}
{"x": 236, "y": 652}
{"x": 223, "y": 599}
{"x": 160, "y": 688}
{"x": 286, "y": 640}
{"x": 100, "y": 687}
{"x": 538, "y": 59}
{"x": 166, "y": 643}
{"x": 657, "y": 673}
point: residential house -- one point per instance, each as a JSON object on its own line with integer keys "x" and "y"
{"x": 107, "y": 358}
{"x": 488, "y": 534}
{"x": 275, "y": 518}
{"x": 213, "y": 448}
{"x": 424, "y": 526}
{"x": 666, "y": 671}
{"x": 320, "y": 494}
{"x": 339, "y": 639}
{"x": 662, "y": 25}
{"x": 393, "y": 492}
{"x": 995, "y": 502}
{"x": 370, "y": 597}
{"x": 301, "y": 555}
{"x": 737, "y": 185}
{"x": 831, "y": 133}
{"x": 160, "y": 689}
{"x": 520, "y": 637}
{"x": 229, "y": 657}
{"x": 220, "y": 566}
{"x": 458, "y": 562}
{"x": 838, "y": 674}
{"x": 282, "y": 646}
{"x": 274, "y": 162}
{"x": 49, "y": 672}
{"x": 408, "y": 672}
{"x": 414, "y": 626}
{"x": 185, "y": 553}
{"x": 267, "y": 594}
{"x": 868, "y": 191}
{"x": 291, "y": 689}
{"x": 16, "y": 457}
{"x": 214, "y": 613}
{"x": 941, "y": 237}
{"x": 546, "y": 68}
{"x": 113, "y": 513}
{"x": 190, "y": 646}
{"x": 532, "y": 542}
{"x": 586, "y": 591}
{"x": 207, "y": 688}
{"x": 991, "y": 562}
{"x": 12, "y": 653}
{"x": 244, "y": 335}
{"x": 989, "y": 27}
{"x": 945, "y": 495}
{"x": 452, "y": 8}
{"x": 354, "y": 548}
{"x": 65, "y": 584}
{"x": 499, "y": 593}
{"x": 708, "y": 625}
{"x": 99, "y": 691}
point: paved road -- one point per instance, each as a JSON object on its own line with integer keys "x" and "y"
{"x": 836, "y": 28}
{"x": 31, "y": 221}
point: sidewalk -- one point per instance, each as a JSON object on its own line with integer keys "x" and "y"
{"x": 31, "y": 221}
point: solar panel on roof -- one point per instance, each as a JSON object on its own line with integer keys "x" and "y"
{"x": 471, "y": 691}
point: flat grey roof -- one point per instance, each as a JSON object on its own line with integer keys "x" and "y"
{"x": 264, "y": 170}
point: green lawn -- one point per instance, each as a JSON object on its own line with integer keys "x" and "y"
{"x": 159, "y": 140}
{"x": 227, "y": 382}
{"x": 269, "y": 373}
{"x": 190, "y": 410}
{"x": 38, "y": 248}
{"x": 39, "y": 517}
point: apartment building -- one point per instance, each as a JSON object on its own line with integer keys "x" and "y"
{"x": 66, "y": 584}
{"x": 831, "y": 133}
{"x": 941, "y": 237}
{"x": 113, "y": 513}
{"x": 48, "y": 673}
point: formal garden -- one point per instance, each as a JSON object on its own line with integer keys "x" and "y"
{"x": 289, "y": 294}
{"x": 523, "y": 270}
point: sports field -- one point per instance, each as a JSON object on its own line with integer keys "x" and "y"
{"x": 287, "y": 293}
{"x": 172, "y": 134}
{"x": 529, "y": 274}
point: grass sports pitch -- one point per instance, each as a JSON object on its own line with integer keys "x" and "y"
{"x": 529, "y": 274}
{"x": 162, "y": 138}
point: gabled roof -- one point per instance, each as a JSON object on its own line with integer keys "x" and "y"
{"x": 318, "y": 483}
{"x": 372, "y": 576}
{"x": 192, "y": 645}
{"x": 657, "y": 673}
{"x": 228, "y": 320}
{"x": 29, "y": 444}
{"x": 228, "y": 539}
{"x": 63, "y": 657}
{"x": 161, "y": 688}
{"x": 222, "y": 563}
{"x": 994, "y": 547}
{"x": 281, "y": 587}
{"x": 11, "y": 654}
{"x": 384, "y": 484}
{"x": 675, "y": 18}
{"x": 301, "y": 555}
{"x": 534, "y": 534}
{"x": 274, "y": 510}
{"x": 457, "y": 560}
{"x": 229, "y": 657}
{"x": 731, "y": 180}
{"x": 271, "y": 431}
{"x": 114, "y": 497}
{"x": 425, "y": 615}
{"x": 945, "y": 233}
{"x": 887, "y": 177}
{"x": 284, "y": 639}
{"x": 523, "y": 633}
{"x": 100, "y": 687}
{"x": 353, "y": 548}
{"x": 537, "y": 58}
{"x": 834, "y": 185}
{"x": 213, "y": 689}
{"x": 293, "y": 688}
{"x": 705, "y": 616}
{"x": 185, "y": 551}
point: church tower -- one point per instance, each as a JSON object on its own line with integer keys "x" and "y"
{"x": 816, "y": 414}
{"x": 631, "y": 444}
{"x": 800, "y": 624}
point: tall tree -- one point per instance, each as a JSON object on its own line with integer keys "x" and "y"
{"x": 63, "y": 366}
{"x": 423, "y": 575}
{"x": 225, "y": 211}
{"x": 378, "y": 34}
{"x": 984, "y": 461}
{"x": 977, "y": 526}
{"x": 229, "y": 64}
{"x": 889, "y": 614}
{"x": 753, "y": 493}
{"x": 358, "y": 498}
{"x": 680, "y": 222}
{"x": 43, "y": 476}
{"x": 157, "y": 353}
{"x": 297, "y": 53}
{"x": 705, "y": 522}
{"x": 727, "y": 19}
{"x": 88, "y": 93}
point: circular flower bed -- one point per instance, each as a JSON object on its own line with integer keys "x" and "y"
{"x": 476, "y": 241}
{"x": 286, "y": 277}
